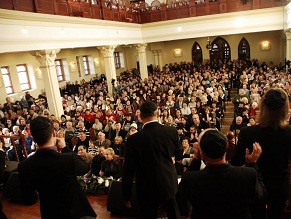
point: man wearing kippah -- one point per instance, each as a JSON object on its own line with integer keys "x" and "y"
{"x": 54, "y": 176}
{"x": 148, "y": 158}
{"x": 221, "y": 190}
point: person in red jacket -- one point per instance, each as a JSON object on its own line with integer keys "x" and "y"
{"x": 89, "y": 118}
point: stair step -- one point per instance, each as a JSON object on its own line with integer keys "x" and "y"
{"x": 228, "y": 118}
{"x": 229, "y": 113}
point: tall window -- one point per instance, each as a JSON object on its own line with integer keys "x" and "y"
{"x": 117, "y": 59}
{"x": 243, "y": 49}
{"x": 7, "y": 80}
{"x": 86, "y": 65}
{"x": 220, "y": 50}
{"x": 23, "y": 77}
{"x": 60, "y": 70}
{"x": 197, "y": 53}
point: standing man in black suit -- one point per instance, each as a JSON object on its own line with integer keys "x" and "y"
{"x": 221, "y": 190}
{"x": 148, "y": 157}
{"x": 54, "y": 176}
{"x": 2, "y": 180}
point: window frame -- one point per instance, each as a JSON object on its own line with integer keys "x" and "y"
{"x": 86, "y": 65}
{"x": 9, "y": 78}
{"x": 62, "y": 73}
{"x": 117, "y": 60}
{"x": 27, "y": 76}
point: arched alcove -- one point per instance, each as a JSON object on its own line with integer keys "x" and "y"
{"x": 220, "y": 50}
{"x": 197, "y": 53}
{"x": 244, "y": 49}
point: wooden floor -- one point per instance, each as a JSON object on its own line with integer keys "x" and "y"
{"x": 16, "y": 210}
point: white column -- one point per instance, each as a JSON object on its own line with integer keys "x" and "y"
{"x": 46, "y": 59}
{"x": 107, "y": 52}
{"x": 143, "y": 68}
{"x": 288, "y": 45}
{"x": 156, "y": 57}
{"x": 160, "y": 59}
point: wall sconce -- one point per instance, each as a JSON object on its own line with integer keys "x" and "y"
{"x": 96, "y": 63}
{"x": 73, "y": 66}
{"x": 178, "y": 52}
{"x": 265, "y": 45}
{"x": 38, "y": 73}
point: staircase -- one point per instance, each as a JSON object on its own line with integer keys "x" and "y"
{"x": 229, "y": 113}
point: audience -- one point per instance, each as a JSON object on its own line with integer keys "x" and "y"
{"x": 189, "y": 97}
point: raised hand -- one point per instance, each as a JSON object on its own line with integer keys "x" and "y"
{"x": 254, "y": 156}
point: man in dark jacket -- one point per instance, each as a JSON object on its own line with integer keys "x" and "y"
{"x": 53, "y": 176}
{"x": 148, "y": 157}
{"x": 221, "y": 190}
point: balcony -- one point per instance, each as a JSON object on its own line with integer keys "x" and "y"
{"x": 137, "y": 11}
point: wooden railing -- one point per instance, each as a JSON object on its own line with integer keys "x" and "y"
{"x": 136, "y": 11}
{"x": 13, "y": 138}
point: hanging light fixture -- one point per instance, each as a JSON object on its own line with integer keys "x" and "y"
{"x": 208, "y": 45}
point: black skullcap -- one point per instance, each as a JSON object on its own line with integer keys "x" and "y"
{"x": 180, "y": 126}
{"x": 148, "y": 108}
{"x": 213, "y": 144}
{"x": 39, "y": 124}
{"x": 274, "y": 99}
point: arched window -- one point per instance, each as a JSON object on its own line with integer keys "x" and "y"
{"x": 244, "y": 49}
{"x": 197, "y": 53}
{"x": 220, "y": 50}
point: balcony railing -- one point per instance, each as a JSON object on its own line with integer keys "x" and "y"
{"x": 137, "y": 11}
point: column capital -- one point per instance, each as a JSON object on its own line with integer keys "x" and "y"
{"x": 159, "y": 52}
{"x": 141, "y": 47}
{"x": 46, "y": 56}
{"x": 107, "y": 51}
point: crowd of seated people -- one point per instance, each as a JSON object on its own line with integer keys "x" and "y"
{"x": 189, "y": 96}
{"x": 252, "y": 83}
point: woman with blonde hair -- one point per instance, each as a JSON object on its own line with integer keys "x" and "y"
{"x": 118, "y": 146}
{"x": 110, "y": 167}
{"x": 273, "y": 133}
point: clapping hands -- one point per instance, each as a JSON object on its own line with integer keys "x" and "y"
{"x": 127, "y": 204}
{"x": 254, "y": 156}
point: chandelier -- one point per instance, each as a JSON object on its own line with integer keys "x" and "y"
{"x": 208, "y": 45}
